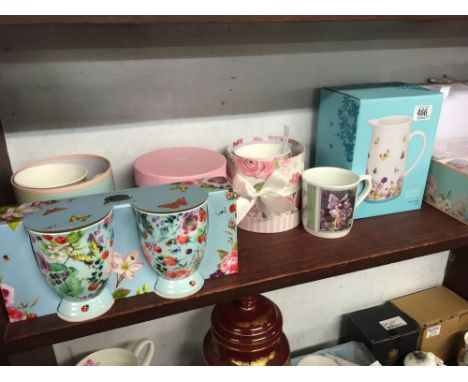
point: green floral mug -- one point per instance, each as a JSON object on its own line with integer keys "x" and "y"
{"x": 76, "y": 264}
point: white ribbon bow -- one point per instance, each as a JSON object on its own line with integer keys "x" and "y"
{"x": 271, "y": 195}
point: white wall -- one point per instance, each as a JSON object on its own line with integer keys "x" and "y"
{"x": 121, "y": 91}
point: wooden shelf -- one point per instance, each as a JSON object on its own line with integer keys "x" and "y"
{"x": 175, "y": 19}
{"x": 269, "y": 262}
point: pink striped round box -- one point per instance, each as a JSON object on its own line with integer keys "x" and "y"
{"x": 257, "y": 173}
{"x": 178, "y": 164}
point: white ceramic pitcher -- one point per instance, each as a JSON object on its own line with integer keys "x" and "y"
{"x": 120, "y": 356}
{"x": 388, "y": 151}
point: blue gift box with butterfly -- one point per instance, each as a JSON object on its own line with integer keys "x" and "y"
{"x": 47, "y": 247}
{"x": 385, "y": 131}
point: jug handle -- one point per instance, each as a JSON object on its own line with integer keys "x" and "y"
{"x": 412, "y": 135}
{"x": 367, "y": 179}
{"x": 149, "y": 352}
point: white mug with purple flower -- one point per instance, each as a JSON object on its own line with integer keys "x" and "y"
{"x": 173, "y": 231}
{"x": 330, "y": 196}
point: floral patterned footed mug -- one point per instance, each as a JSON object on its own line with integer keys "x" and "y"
{"x": 330, "y": 195}
{"x": 388, "y": 152}
{"x": 74, "y": 259}
{"x": 173, "y": 237}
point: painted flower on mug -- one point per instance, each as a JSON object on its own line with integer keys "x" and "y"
{"x": 295, "y": 178}
{"x": 189, "y": 223}
{"x": 42, "y": 263}
{"x": 178, "y": 274}
{"x": 255, "y": 168}
{"x": 336, "y": 210}
{"x": 285, "y": 165}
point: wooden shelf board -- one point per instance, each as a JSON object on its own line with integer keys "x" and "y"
{"x": 269, "y": 262}
{"x": 208, "y": 19}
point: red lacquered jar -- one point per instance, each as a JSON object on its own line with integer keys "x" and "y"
{"x": 246, "y": 332}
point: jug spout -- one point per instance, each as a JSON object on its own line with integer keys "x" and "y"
{"x": 374, "y": 122}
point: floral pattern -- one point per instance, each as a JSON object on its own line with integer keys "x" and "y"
{"x": 13, "y": 215}
{"x": 76, "y": 264}
{"x": 258, "y": 169}
{"x": 336, "y": 210}
{"x": 443, "y": 201}
{"x": 20, "y": 312}
{"x": 347, "y": 116}
{"x": 125, "y": 268}
{"x": 385, "y": 189}
{"x": 174, "y": 244}
{"x": 229, "y": 262}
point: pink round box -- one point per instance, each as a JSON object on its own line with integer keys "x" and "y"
{"x": 178, "y": 164}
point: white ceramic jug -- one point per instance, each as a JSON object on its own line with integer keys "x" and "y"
{"x": 120, "y": 357}
{"x": 387, "y": 156}
{"x": 463, "y": 354}
{"x": 422, "y": 358}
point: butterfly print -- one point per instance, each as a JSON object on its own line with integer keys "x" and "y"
{"x": 179, "y": 202}
{"x": 52, "y": 210}
{"x": 385, "y": 154}
{"x": 74, "y": 218}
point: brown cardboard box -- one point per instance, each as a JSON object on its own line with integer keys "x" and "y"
{"x": 442, "y": 316}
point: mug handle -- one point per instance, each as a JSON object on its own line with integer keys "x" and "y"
{"x": 413, "y": 134}
{"x": 149, "y": 352}
{"x": 367, "y": 179}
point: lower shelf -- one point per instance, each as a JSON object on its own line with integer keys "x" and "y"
{"x": 268, "y": 262}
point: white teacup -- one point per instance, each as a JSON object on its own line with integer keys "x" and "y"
{"x": 330, "y": 195}
{"x": 120, "y": 357}
{"x": 263, "y": 151}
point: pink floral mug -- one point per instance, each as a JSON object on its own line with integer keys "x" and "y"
{"x": 330, "y": 195}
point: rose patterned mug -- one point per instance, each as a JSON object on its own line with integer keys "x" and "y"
{"x": 329, "y": 198}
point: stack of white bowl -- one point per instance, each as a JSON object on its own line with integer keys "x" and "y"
{"x": 63, "y": 177}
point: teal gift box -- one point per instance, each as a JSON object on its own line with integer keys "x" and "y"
{"x": 25, "y": 291}
{"x": 383, "y": 130}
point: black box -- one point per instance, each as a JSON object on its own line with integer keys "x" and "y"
{"x": 389, "y": 333}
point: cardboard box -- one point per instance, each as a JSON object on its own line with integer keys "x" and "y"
{"x": 388, "y": 332}
{"x": 383, "y": 130}
{"x": 442, "y": 316}
{"x": 25, "y": 290}
{"x": 447, "y": 183}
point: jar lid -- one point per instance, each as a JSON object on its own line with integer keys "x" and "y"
{"x": 178, "y": 164}
{"x": 67, "y": 215}
{"x": 248, "y": 323}
{"x": 169, "y": 199}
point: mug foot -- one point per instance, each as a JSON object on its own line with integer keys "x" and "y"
{"x": 76, "y": 311}
{"x": 180, "y": 288}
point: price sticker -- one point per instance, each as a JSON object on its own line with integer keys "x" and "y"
{"x": 422, "y": 112}
{"x": 393, "y": 323}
